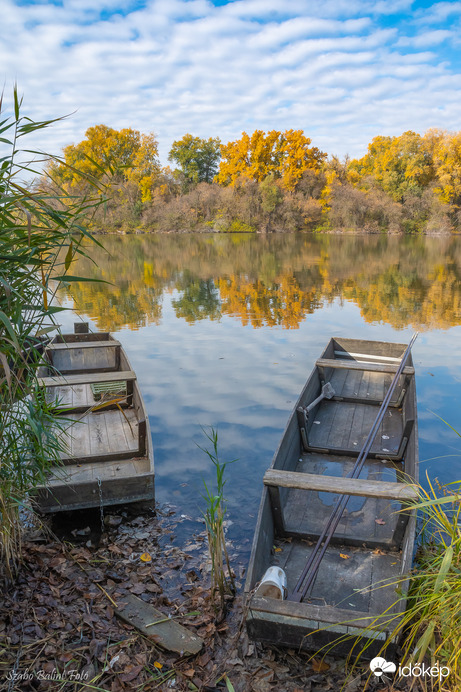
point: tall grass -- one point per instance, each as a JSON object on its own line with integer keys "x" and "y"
{"x": 429, "y": 628}
{"x": 431, "y": 625}
{"x": 222, "y": 579}
{"x": 41, "y": 232}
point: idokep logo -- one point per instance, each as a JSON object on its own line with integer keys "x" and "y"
{"x": 380, "y": 667}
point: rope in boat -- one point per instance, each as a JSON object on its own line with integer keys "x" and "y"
{"x": 310, "y": 570}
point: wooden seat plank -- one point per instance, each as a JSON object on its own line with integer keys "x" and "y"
{"x": 347, "y": 354}
{"x": 87, "y": 378}
{"x": 82, "y": 344}
{"x": 354, "y": 365}
{"x": 346, "y": 486}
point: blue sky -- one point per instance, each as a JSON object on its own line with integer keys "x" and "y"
{"x": 343, "y": 71}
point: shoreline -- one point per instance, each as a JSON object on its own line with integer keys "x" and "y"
{"x": 403, "y": 234}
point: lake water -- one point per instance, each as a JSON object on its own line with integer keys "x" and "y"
{"x": 223, "y": 331}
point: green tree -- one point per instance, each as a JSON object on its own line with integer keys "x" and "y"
{"x": 198, "y": 158}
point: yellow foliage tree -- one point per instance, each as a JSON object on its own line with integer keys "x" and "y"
{"x": 284, "y": 155}
{"x": 399, "y": 165}
{"x": 296, "y": 157}
{"x": 446, "y": 153}
{"x": 126, "y": 154}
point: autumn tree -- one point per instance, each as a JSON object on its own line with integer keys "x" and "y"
{"x": 284, "y": 155}
{"x": 127, "y": 154}
{"x": 198, "y": 158}
{"x": 398, "y": 165}
{"x": 296, "y": 157}
{"x": 445, "y": 148}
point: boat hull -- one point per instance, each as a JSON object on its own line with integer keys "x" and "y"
{"x": 371, "y": 551}
{"x": 107, "y": 456}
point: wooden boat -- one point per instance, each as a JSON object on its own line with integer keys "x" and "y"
{"x": 107, "y": 457}
{"x": 372, "y": 547}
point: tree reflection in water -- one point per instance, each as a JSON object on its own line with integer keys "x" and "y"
{"x": 272, "y": 280}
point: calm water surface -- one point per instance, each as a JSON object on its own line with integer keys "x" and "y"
{"x": 223, "y": 331}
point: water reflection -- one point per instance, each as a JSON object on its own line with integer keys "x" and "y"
{"x": 276, "y": 280}
{"x": 224, "y": 330}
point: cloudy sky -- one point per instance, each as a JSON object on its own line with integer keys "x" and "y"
{"x": 343, "y": 71}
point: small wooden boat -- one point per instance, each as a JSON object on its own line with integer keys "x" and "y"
{"x": 107, "y": 457}
{"x": 354, "y": 594}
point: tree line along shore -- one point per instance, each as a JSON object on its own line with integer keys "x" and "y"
{"x": 264, "y": 182}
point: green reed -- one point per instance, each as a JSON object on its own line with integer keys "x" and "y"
{"x": 42, "y": 230}
{"x": 222, "y": 579}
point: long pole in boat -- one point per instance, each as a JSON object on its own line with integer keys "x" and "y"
{"x": 309, "y": 573}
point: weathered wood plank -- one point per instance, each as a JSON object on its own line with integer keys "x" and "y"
{"x": 87, "y": 378}
{"x": 347, "y": 486}
{"x": 326, "y": 614}
{"x": 348, "y": 354}
{"x": 78, "y": 488}
{"x": 168, "y": 633}
{"x": 343, "y": 363}
{"x": 375, "y": 348}
{"x": 352, "y": 383}
{"x": 337, "y": 381}
{"x": 80, "y": 437}
{"x": 104, "y": 436}
{"x": 118, "y": 440}
{"x": 62, "y": 394}
{"x": 341, "y": 429}
{"x": 377, "y": 384}
{"x": 307, "y": 511}
{"x": 81, "y": 396}
{"x": 82, "y": 344}
{"x": 99, "y": 438}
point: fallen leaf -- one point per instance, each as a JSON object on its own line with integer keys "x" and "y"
{"x": 158, "y": 665}
{"x": 115, "y": 549}
{"x": 66, "y": 656}
{"x": 129, "y": 675}
{"x": 138, "y": 589}
{"x": 320, "y": 666}
{"x": 145, "y": 557}
{"x": 344, "y": 556}
{"x": 380, "y": 522}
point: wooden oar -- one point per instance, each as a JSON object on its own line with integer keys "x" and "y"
{"x": 309, "y": 573}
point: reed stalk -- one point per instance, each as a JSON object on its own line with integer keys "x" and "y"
{"x": 41, "y": 232}
{"x": 222, "y": 578}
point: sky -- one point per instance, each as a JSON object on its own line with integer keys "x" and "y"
{"x": 343, "y": 71}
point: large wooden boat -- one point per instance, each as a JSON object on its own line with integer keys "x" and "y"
{"x": 355, "y": 596}
{"x": 107, "y": 457}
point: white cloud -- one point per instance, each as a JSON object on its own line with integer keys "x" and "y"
{"x": 439, "y": 12}
{"x": 330, "y": 68}
{"x": 427, "y": 38}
